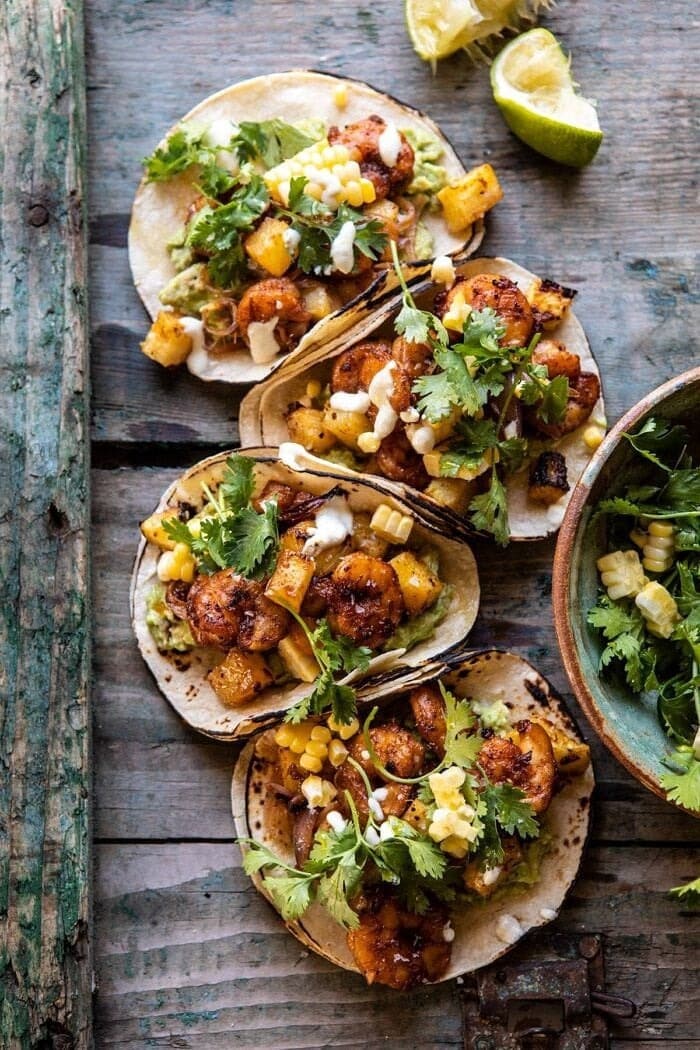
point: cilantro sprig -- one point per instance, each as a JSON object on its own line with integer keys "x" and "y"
{"x": 232, "y": 535}
{"x": 333, "y": 656}
{"x": 217, "y": 231}
{"x": 270, "y": 141}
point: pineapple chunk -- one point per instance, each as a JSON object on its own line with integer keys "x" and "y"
{"x": 320, "y": 301}
{"x": 297, "y": 656}
{"x": 152, "y": 529}
{"x": 240, "y": 677}
{"x": 346, "y": 426}
{"x": 167, "y": 342}
{"x": 470, "y": 198}
{"x": 290, "y": 580}
{"x": 419, "y": 586}
{"x": 550, "y": 302}
{"x": 454, "y": 493}
{"x": 306, "y": 426}
{"x": 267, "y": 248}
{"x": 432, "y": 461}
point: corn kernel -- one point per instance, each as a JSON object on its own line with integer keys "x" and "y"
{"x": 621, "y": 573}
{"x": 284, "y": 735}
{"x": 593, "y": 437}
{"x": 337, "y": 753}
{"x": 340, "y": 96}
{"x": 321, "y": 733}
{"x": 316, "y": 748}
{"x": 369, "y": 194}
{"x": 390, "y": 524}
{"x": 353, "y": 194}
{"x": 343, "y": 731}
{"x": 639, "y": 538}
{"x": 300, "y": 738}
{"x": 318, "y": 792}
{"x": 368, "y": 443}
{"x": 313, "y": 388}
{"x": 659, "y": 609}
{"x": 177, "y": 564}
{"x": 656, "y": 564}
{"x": 661, "y": 528}
{"x": 310, "y": 763}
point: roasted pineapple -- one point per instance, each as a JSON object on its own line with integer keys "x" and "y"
{"x": 470, "y": 198}
{"x": 571, "y": 756}
{"x": 306, "y": 426}
{"x": 319, "y": 300}
{"x": 346, "y": 426}
{"x": 297, "y": 655}
{"x": 152, "y": 529}
{"x": 454, "y": 493}
{"x": 419, "y": 586}
{"x": 432, "y": 463}
{"x": 290, "y": 580}
{"x": 240, "y": 677}
{"x": 167, "y": 342}
{"x": 267, "y": 248}
{"x": 549, "y": 301}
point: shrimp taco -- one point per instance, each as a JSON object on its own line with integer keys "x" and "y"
{"x": 424, "y": 843}
{"x": 260, "y": 592}
{"x": 269, "y": 209}
{"x": 480, "y": 398}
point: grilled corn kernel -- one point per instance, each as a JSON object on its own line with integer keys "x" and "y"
{"x": 659, "y": 547}
{"x": 330, "y": 172}
{"x": 177, "y": 564}
{"x": 296, "y": 737}
{"x": 369, "y": 193}
{"x": 313, "y": 388}
{"x": 317, "y": 748}
{"x": 621, "y": 573}
{"x": 343, "y": 731}
{"x": 321, "y": 733}
{"x": 368, "y": 443}
{"x": 284, "y": 735}
{"x": 639, "y": 538}
{"x": 318, "y": 792}
{"x": 310, "y": 763}
{"x": 661, "y": 528}
{"x": 337, "y": 753}
{"x": 390, "y": 524}
{"x": 593, "y": 437}
{"x": 658, "y": 608}
{"x": 340, "y": 96}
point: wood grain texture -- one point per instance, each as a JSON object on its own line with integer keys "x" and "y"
{"x": 188, "y": 954}
{"x": 45, "y": 957}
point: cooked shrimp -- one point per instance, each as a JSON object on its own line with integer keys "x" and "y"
{"x": 583, "y": 394}
{"x": 274, "y": 297}
{"x": 394, "y": 947}
{"x": 176, "y": 598}
{"x": 557, "y": 359}
{"x": 226, "y": 610}
{"x": 527, "y": 762}
{"x": 398, "y": 460}
{"x": 488, "y": 290}
{"x": 362, "y": 138}
{"x": 293, "y": 505}
{"x": 428, "y": 709}
{"x": 399, "y": 751}
{"x": 355, "y": 368}
{"x": 415, "y": 359}
{"x": 365, "y": 602}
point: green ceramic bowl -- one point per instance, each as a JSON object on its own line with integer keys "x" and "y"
{"x": 626, "y": 725}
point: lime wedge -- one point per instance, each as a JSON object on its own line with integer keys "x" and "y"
{"x": 532, "y": 86}
{"x": 437, "y": 27}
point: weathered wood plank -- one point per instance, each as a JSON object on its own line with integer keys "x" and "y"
{"x": 617, "y": 231}
{"x": 188, "y": 950}
{"x": 155, "y": 778}
{"x": 45, "y": 958}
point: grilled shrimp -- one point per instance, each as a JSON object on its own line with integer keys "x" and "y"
{"x": 226, "y": 610}
{"x": 365, "y": 602}
{"x": 395, "y": 947}
{"x": 428, "y": 710}
{"x": 274, "y": 297}
{"x": 293, "y": 505}
{"x": 401, "y": 754}
{"x": 398, "y": 460}
{"x": 488, "y": 290}
{"x": 526, "y": 762}
{"x": 362, "y": 139}
{"x": 583, "y": 394}
{"x": 557, "y": 359}
{"x": 355, "y": 368}
{"x": 176, "y": 598}
{"x": 415, "y": 359}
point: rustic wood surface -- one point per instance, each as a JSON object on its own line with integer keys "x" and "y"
{"x": 45, "y": 960}
{"x": 188, "y": 955}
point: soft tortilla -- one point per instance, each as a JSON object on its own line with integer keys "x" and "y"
{"x": 484, "y": 675}
{"x": 159, "y": 207}
{"x": 181, "y": 677}
{"x": 262, "y": 415}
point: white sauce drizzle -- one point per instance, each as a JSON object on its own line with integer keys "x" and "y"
{"x": 380, "y": 390}
{"x": 389, "y": 145}
{"x": 448, "y": 933}
{"x": 336, "y": 820}
{"x": 422, "y": 438}
{"x": 342, "y": 252}
{"x": 346, "y": 402}
{"x": 372, "y": 837}
{"x": 261, "y": 340}
{"x": 219, "y": 133}
{"x": 492, "y": 875}
{"x": 290, "y": 239}
{"x": 198, "y": 357}
{"x": 333, "y": 525}
{"x": 411, "y": 415}
{"x": 548, "y": 914}
{"x": 375, "y": 809}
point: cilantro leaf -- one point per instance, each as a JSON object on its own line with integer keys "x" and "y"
{"x": 292, "y": 894}
{"x": 472, "y": 439}
{"x": 271, "y": 140}
{"x": 623, "y": 626}
{"x": 335, "y": 888}
{"x": 217, "y": 231}
{"x": 238, "y": 482}
{"x": 177, "y": 530}
{"x": 657, "y": 436}
{"x": 684, "y": 787}
{"x": 553, "y": 404}
{"x": 484, "y": 328}
{"x": 460, "y": 749}
{"x": 513, "y": 814}
{"x": 258, "y": 856}
{"x": 251, "y": 540}
{"x": 425, "y": 855}
{"x": 689, "y": 893}
{"x": 332, "y": 655}
{"x": 489, "y": 511}
{"x": 183, "y": 148}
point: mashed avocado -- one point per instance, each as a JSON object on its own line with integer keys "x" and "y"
{"x": 423, "y": 245}
{"x": 524, "y": 875}
{"x": 428, "y": 175}
{"x": 314, "y": 127}
{"x": 188, "y": 291}
{"x": 343, "y": 457}
{"x": 181, "y": 255}
{"x": 422, "y": 626}
{"x": 493, "y": 714}
{"x": 168, "y": 632}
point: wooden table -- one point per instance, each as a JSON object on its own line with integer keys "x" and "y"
{"x": 187, "y": 954}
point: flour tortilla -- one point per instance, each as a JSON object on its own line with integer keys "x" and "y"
{"x": 262, "y": 415}
{"x": 181, "y": 677}
{"x": 159, "y": 207}
{"x": 483, "y": 675}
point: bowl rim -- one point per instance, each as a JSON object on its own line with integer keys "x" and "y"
{"x": 561, "y": 577}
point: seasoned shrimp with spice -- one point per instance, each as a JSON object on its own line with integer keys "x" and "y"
{"x": 401, "y": 754}
{"x": 275, "y": 298}
{"x": 384, "y": 154}
{"x": 365, "y": 602}
{"x": 491, "y": 291}
{"x": 226, "y": 610}
{"x": 527, "y": 762}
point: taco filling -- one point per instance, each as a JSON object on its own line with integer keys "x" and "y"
{"x": 284, "y": 223}
{"x": 468, "y": 388}
{"x": 405, "y": 827}
{"x": 282, "y": 586}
